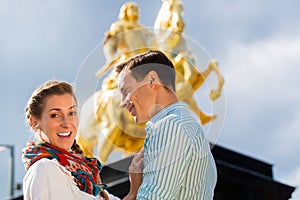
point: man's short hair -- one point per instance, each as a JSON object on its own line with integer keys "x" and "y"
{"x": 152, "y": 60}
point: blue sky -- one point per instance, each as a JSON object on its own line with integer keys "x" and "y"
{"x": 256, "y": 42}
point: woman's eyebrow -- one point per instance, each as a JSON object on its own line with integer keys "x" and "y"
{"x": 56, "y": 109}
{"x": 59, "y": 109}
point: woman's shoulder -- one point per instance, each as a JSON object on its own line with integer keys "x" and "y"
{"x": 48, "y": 171}
{"x": 46, "y": 167}
{"x": 44, "y": 163}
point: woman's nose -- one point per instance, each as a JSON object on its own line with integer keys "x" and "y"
{"x": 66, "y": 121}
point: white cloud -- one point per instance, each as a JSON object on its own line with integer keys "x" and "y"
{"x": 263, "y": 112}
{"x": 32, "y": 25}
{"x": 288, "y": 137}
{"x": 269, "y": 63}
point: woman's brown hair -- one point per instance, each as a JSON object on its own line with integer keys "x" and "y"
{"x": 36, "y": 102}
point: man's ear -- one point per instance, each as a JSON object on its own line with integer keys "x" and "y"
{"x": 152, "y": 77}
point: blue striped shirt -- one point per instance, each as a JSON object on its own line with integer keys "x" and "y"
{"x": 178, "y": 163}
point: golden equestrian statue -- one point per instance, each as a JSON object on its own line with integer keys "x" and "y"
{"x": 103, "y": 124}
{"x": 169, "y": 26}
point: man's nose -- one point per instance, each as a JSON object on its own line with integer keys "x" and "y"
{"x": 124, "y": 102}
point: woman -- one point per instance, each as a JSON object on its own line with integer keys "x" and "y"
{"x": 56, "y": 168}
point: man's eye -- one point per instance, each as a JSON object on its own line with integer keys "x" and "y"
{"x": 125, "y": 92}
{"x": 124, "y": 96}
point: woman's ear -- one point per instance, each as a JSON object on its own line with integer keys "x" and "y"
{"x": 33, "y": 123}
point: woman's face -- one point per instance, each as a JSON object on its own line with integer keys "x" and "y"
{"x": 59, "y": 121}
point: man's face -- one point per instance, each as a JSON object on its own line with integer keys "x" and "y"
{"x": 136, "y": 96}
{"x": 132, "y": 12}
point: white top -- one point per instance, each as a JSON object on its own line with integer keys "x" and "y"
{"x": 48, "y": 180}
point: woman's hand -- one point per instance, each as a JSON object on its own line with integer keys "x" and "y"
{"x": 135, "y": 175}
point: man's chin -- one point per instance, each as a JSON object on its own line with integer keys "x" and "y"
{"x": 139, "y": 121}
{"x": 135, "y": 120}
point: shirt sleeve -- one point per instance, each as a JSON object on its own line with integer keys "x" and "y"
{"x": 47, "y": 180}
{"x": 166, "y": 167}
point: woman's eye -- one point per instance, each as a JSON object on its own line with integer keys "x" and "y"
{"x": 54, "y": 115}
{"x": 74, "y": 113}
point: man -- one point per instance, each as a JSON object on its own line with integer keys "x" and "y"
{"x": 118, "y": 45}
{"x": 178, "y": 163}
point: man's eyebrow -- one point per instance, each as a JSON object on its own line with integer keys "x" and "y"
{"x": 122, "y": 89}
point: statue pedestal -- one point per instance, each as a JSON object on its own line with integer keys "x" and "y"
{"x": 239, "y": 177}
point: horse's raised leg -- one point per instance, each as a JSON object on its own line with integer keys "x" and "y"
{"x": 106, "y": 143}
{"x": 214, "y": 94}
{"x": 87, "y": 146}
{"x": 185, "y": 93}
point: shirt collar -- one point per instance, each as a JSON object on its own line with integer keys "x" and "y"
{"x": 165, "y": 112}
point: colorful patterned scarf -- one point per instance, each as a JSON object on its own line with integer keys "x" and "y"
{"x": 84, "y": 170}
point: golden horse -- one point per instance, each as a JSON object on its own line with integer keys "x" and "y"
{"x": 103, "y": 123}
{"x": 169, "y": 26}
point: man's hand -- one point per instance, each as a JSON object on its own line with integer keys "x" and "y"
{"x": 135, "y": 175}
